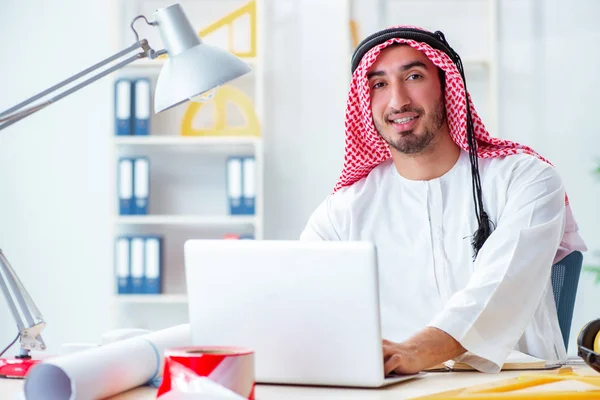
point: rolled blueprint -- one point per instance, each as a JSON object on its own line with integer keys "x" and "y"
{"x": 106, "y": 370}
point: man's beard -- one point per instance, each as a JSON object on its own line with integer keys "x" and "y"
{"x": 409, "y": 143}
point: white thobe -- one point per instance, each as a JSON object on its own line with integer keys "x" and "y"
{"x": 422, "y": 231}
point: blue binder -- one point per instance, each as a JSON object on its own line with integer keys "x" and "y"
{"x": 141, "y": 185}
{"x": 137, "y": 265}
{"x": 122, "y": 264}
{"x": 234, "y": 185}
{"x": 249, "y": 185}
{"x": 153, "y": 264}
{"x": 123, "y": 107}
{"x": 141, "y": 101}
{"x": 247, "y": 236}
{"x": 125, "y": 186}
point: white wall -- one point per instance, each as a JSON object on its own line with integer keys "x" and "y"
{"x": 308, "y": 70}
{"x": 53, "y": 169}
{"x": 548, "y": 86}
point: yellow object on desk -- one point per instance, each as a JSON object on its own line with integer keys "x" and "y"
{"x": 560, "y": 384}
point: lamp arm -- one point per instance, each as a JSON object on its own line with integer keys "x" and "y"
{"x": 30, "y": 321}
{"x": 147, "y": 52}
{"x": 5, "y": 274}
{"x": 6, "y": 121}
{"x": 71, "y": 79}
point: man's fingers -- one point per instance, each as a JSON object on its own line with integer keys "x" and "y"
{"x": 388, "y": 348}
{"x": 397, "y": 359}
{"x": 388, "y": 351}
{"x": 392, "y": 363}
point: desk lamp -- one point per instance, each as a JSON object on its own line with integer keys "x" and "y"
{"x": 191, "y": 70}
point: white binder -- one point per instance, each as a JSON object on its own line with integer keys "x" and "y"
{"x": 234, "y": 185}
{"x": 122, "y": 258}
{"x": 123, "y": 107}
{"x": 152, "y": 265}
{"x": 141, "y": 189}
{"x": 125, "y": 186}
{"x": 249, "y": 184}
{"x": 137, "y": 265}
{"x": 141, "y": 125}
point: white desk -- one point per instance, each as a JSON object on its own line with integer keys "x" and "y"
{"x": 431, "y": 383}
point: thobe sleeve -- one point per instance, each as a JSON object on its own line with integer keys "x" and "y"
{"x": 320, "y": 225}
{"x": 511, "y": 272}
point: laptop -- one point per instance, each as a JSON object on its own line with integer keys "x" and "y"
{"x": 309, "y": 310}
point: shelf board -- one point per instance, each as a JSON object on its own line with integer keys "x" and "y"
{"x": 173, "y": 140}
{"x": 151, "y": 298}
{"x": 159, "y": 62}
{"x": 227, "y": 220}
{"x": 477, "y": 62}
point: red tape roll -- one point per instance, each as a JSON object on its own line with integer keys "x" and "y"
{"x": 230, "y": 367}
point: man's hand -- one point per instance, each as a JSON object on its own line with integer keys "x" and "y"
{"x": 425, "y": 349}
{"x": 398, "y": 358}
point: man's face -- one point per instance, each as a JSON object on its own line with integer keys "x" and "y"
{"x": 407, "y": 102}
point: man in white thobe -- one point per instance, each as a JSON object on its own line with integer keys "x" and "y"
{"x": 466, "y": 226}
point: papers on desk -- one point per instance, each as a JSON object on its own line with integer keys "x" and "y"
{"x": 515, "y": 361}
{"x": 106, "y": 370}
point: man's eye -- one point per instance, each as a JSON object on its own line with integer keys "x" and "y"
{"x": 413, "y": 77}
{"x": 378, "y": 85}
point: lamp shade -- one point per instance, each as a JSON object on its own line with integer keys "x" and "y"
{"x": 192, "y": 67}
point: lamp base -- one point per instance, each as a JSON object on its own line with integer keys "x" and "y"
{"x": 16, "y": 367}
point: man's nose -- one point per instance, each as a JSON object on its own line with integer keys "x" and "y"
{"x": 399, "y": 97}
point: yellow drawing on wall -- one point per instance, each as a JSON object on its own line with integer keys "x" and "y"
{"x": 229, "y": 22}
{"x": 234, "y": 22}
{"x": 354, "y": 33}
{"x": 224, "y": 96}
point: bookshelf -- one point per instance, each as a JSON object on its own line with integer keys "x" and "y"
{"x": 171, "y": 140}
{"x": 188, "y": 171}
{"x": 153, "y": 299}
{"x": 200, "y": 220}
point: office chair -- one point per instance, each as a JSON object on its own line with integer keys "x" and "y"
{"x": 565, "y": 278}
